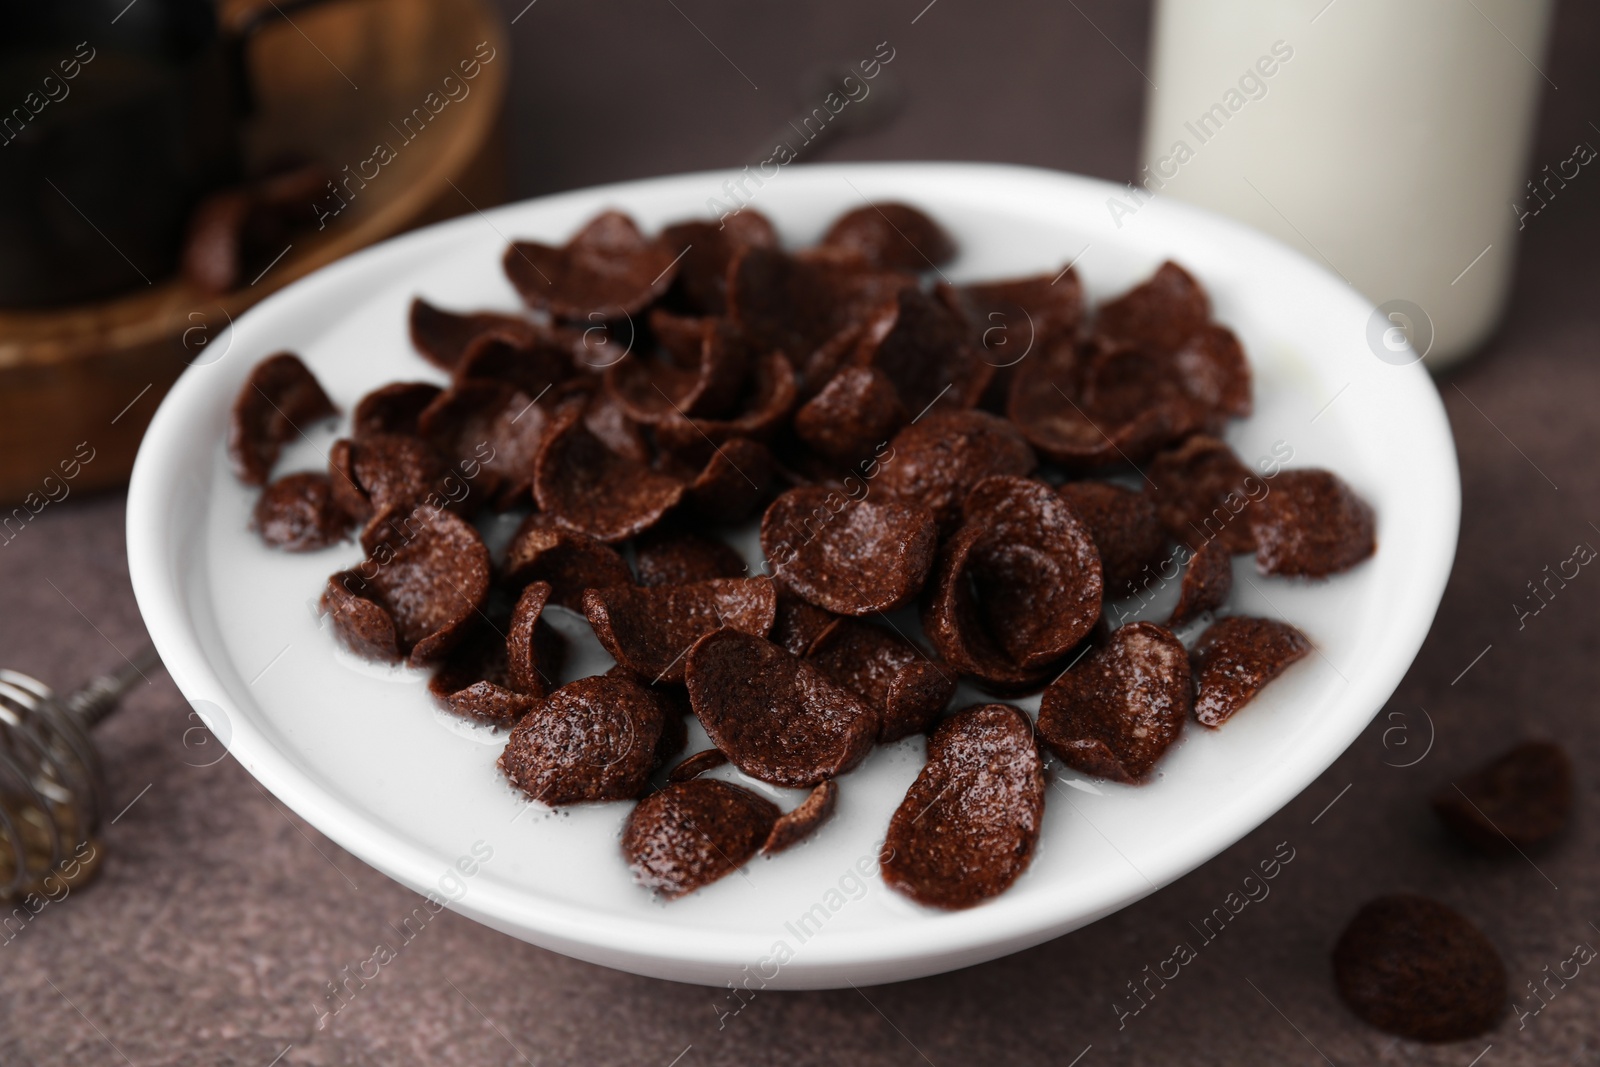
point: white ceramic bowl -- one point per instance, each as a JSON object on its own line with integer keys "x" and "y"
{"x": 361, "y": 752}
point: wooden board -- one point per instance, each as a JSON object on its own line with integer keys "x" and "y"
{"x": 334, "y": 84}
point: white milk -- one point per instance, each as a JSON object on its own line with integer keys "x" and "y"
{"x": 1386, "y": 138}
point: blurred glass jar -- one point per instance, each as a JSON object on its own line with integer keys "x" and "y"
{"x": 1388, "y": 140}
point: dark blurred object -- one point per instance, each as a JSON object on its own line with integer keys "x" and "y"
{"x": 1519, "y": 801}
{"x": 78, "y": 384}
{"x": 870, "y": 105}
{"x": 114, "y": 119}
{"x": 111, "y": 129}
{"x": 246, "y": 225}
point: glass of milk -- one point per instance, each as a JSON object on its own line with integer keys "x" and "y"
{"x": 1388, "y": 140}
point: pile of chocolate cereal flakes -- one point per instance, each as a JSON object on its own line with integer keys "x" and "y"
{"x": 862, "y": 409}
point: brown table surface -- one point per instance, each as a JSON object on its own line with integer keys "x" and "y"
{"x": 220, "y": 916}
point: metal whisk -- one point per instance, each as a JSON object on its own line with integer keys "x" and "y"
{"x": 52, "y": 792}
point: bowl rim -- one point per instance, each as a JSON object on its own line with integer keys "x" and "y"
{"x": 162, "y": 591}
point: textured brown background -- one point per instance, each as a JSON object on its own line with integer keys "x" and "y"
{"x": 220, "y": 916}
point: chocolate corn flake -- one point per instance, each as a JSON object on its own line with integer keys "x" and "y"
{"x": 956, "y": 619}
{"x": 1158, "y": 315}
{"x": 1235, "y": 658}
{"x": 1109, "y": 405}
{"x": 278, "y": 401}
{"x": 650, "y": 394}
{"x": 708, "y": 249}
{"x": 1202, "y": 492}
{"x": 1017, "y": 587}
{"x": 859, "y": 409}
{"x": 923, "y": 345}
{"x": 442, "y": 337}
{"x": 385, "y": 470}
{"x": 735, "y": 481}
{"x": 800, "y": 626}
{"x": 649, "y": 630}
{"x": 907, "y": 687}
{"x": 593, "y": 739}
{"x": 680, "y": 556}
{"x": 810, "y": 309}
{"x": 674, "y": 704}
{"x": 579, "y": 391}
{"x": 852, "y": 557}
{"x": 1123, "y": 525}
{"x": 795, "y": 826}
{"x": 593, "y": 348}
{"x": 1136, "y": 397}
{"x": 1514, "y": 803}
{"x": 610, "y": 424}
{"x": 694, "y": 766}
{"x": 769, "y": 396}
{"x": 702, "y": 380}
{"x": 681, "y": 338}
{"x": 1155, "y": 372}
{"x": 1045, "y": 406}
{"x": 1310, "y": 525}
{"x": 608, "y": 270}
{"x": 491, "y": 428}
{"x": 674, "y": 730}
{"x": 474, "y": 679}
{"x": 534, "y": 650}
{"x": 940, "y": 458}
{"x": 1207, "y": 581}
{"x": 1115, "y": 713}
{"x": 347, "y": 492}
{"x": 571, "y": 561}
{"x": 299, "y": 512}
{"x": 483, "y": 701}
{"x": 797, "y": 464}
{"x": 968, "y": 826}
{"x": 424, "y": 580}
{"x": 534, "y": 364}
{"x": 891, "y": 236}
{"x": 692, "y": 833}
{"x": 1212, "y": 366}
{"x": 778, "y": 718}
{"x": 1031, "y": 530}
{"x": 393, "y": 409}
{"x": 585, "y": 486}
{"x": 1012, "y": 318}
{"x": 674, "y": 699}
{"x": 1411, "y": 966}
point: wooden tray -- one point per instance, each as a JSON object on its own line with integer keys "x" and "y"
{"x": 85, "y": 381}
